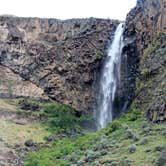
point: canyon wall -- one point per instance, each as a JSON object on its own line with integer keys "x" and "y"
{"x": 52, "y": 59}
{"x": 59, "y": 60}
{"x": 145, "y": 49}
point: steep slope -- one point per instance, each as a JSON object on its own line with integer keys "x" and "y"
{"x": 58, "y": 59}
{"x": 15, "y": 130}
{"x": 128, "y": 141}
{"x": 145, "y": 37}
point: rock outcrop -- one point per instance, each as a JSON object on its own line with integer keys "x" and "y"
{"x": 53, "y": 59}
{"x": 145, "y": 21}
{"x": 145, "y": 48}
{"x": 12, "y": 85}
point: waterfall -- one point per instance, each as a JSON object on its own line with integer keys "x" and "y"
{"x": 109, "y": 77}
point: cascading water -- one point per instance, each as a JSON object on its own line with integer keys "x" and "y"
{"x": 110, "y": 75}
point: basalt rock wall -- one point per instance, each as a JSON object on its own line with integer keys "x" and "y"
{"x": 145, "y": 52}
{"x": 52, "y": 59}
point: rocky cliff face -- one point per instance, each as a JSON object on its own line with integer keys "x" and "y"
{"x": 52, "y": 59}
{"x": 145, "y": 48}
{"x": 145, "y": 21}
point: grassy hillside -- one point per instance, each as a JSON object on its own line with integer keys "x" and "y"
{"x": 49, "y": 134}
{"x": 129, "y": 140}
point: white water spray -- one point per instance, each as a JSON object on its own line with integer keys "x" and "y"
{"x": 109, "y": 78}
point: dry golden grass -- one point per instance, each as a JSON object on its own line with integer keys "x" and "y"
{"x": 13, "y": 133}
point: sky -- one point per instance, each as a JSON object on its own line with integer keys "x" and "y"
{"x": 66, "y": 9}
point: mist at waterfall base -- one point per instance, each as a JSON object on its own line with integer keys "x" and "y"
{"x": 108, "y": 80}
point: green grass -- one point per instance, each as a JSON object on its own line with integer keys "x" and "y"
{"x": 69, "y": 150}
{"x": 57, "y": 118}
{"x": 59, "y": 149}
{"x": 60, "y": 118}
{"x": 109, "y": 145}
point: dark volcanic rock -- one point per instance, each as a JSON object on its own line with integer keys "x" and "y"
{"x": 162, "y": 159}
{"x": 145, "y": 48}
{"x": 58, "y": 57}
{"x": 29, "y": 143}
{"x": 132, "y": 148}
{"x": 144, "y": 22}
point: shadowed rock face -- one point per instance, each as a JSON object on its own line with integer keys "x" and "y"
{"x": 145, "y": 48}
{"x": 59, "y": 58}
{"x": 145, "y": 21}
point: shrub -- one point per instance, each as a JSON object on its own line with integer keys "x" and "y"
{"x": 61, "y": 118}
{"x": 99, "y": 56}
{"x": 113, "y": 126}
{"x": 27, "y": 104}
{"x": 162, "y": 159}
{"x": 133, "y": 114}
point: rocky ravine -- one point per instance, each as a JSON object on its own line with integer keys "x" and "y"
{"x": 49, "y": 58}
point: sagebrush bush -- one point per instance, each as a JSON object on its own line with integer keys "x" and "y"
{"x": 113, "y": 126}
{"x": 61, "y": 118}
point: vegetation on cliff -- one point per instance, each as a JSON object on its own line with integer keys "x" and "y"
{"x": 150, "y": 85}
